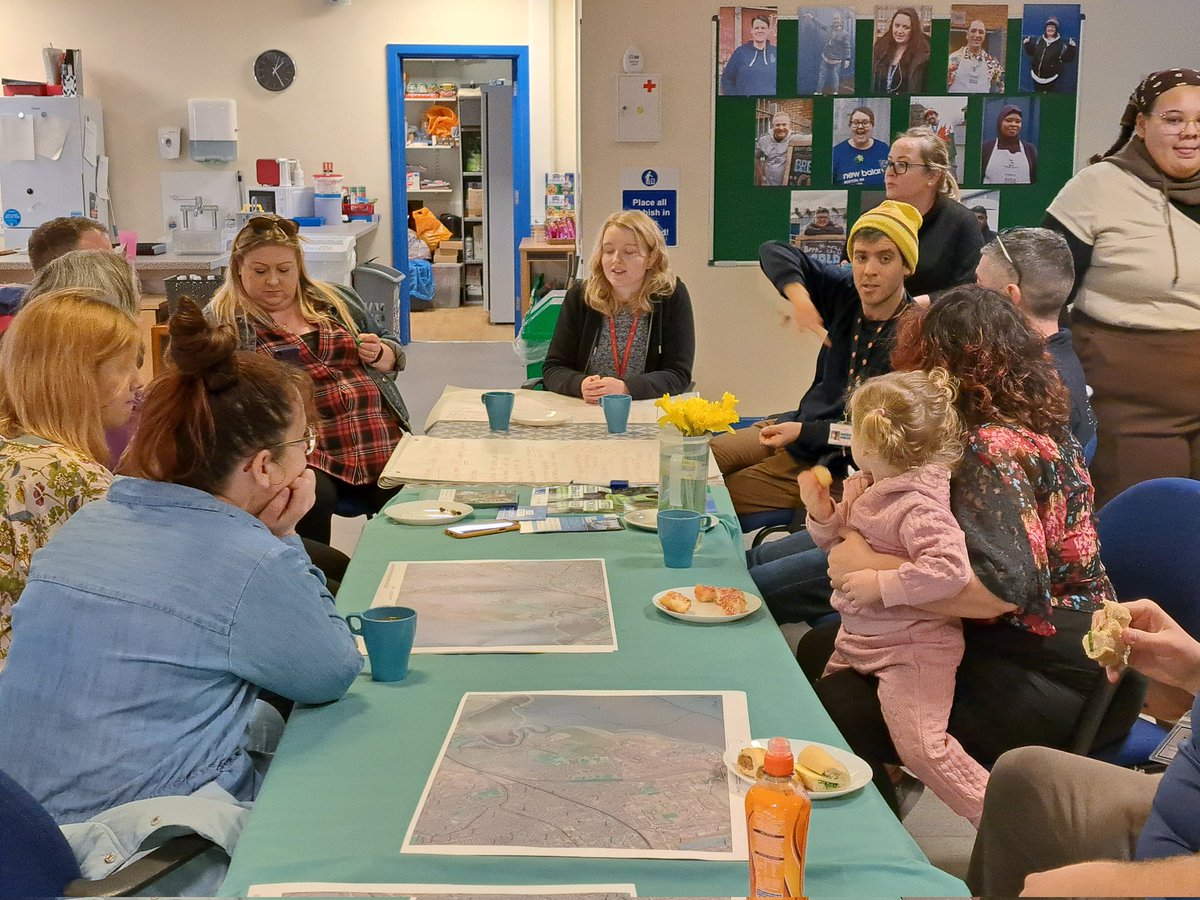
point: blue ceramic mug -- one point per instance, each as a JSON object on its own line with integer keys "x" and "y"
{"x": 678, "y": 531}
{"x": 499, "y": 405}
{"x": 388, "y": 632}
{"x": 616, "y": 412}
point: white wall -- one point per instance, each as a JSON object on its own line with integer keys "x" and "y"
{"x": 145, "y": 58}
{"x": 740, "y": 347}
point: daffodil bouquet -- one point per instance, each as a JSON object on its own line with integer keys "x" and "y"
{"x": 696, "y": 416}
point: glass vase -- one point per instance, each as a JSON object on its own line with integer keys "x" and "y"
{"x": 682, "y": 470}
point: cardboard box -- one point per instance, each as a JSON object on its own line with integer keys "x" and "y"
{"x": 474, "y": 200}
{"x": 445, "y": 256}
{"x": 450, "y": 245}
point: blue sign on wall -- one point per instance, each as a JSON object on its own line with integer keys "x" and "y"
{"x": 12, "y": 218}
{"x": 658, "y": 205}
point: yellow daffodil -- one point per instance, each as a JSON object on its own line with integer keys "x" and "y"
{"x": 696, "y": 416}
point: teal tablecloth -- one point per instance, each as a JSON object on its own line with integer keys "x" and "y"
{"x": 346, "y": 780}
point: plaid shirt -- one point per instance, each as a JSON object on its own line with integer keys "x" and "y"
{"x": 356, "y": 432}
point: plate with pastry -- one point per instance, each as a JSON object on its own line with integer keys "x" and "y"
{"x": 428, "y": 512}
{"x": 822, "y": 770}
{"x": 647, "y": 520}
{"x": 707, "y": 604}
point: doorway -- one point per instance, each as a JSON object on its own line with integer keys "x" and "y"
{"x": 459, "y": 134}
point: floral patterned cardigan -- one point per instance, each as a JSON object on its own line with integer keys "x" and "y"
{"x": 42, "y": 484}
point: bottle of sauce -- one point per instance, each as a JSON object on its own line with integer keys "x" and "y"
{"x": 777, "y": 813}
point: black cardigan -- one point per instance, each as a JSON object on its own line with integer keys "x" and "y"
{"x": 669, "y": 356}
{"x": 950, "y": 240}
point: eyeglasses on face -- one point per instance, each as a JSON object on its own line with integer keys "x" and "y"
{"x": 268, "y": 222}
{"x": 1008, "y": 256}
{"x": 1173, "y": 123}
{"x": 900, "y": 166}
{"x": 309, "y": 441}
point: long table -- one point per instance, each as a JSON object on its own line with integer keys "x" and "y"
{"x": 348, "y": 776}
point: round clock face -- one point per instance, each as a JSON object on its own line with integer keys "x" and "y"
{"x": 274, "y": 70}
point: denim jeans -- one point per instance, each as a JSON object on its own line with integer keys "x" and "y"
{"x": 831, "y": 73}
{"x": 791, "y": 576}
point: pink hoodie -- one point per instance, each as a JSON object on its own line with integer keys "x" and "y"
{"x": 907, "y": 515}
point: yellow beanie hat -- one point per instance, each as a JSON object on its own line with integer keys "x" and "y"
{"x": 899, "y": 221}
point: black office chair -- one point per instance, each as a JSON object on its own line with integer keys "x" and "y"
{"x": 37, "y": 861}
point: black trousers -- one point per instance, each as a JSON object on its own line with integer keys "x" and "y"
{"x": 332, "y": 492}
{"x": 1013, "y": 689}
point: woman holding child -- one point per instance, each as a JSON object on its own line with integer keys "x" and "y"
{"x": 1023, "y": 499}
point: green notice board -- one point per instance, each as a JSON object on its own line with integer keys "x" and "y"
{"x": 745, "y": 215}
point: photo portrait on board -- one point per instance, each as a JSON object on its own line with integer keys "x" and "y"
{"x": 783, "y": 143}
{"x": 1010, "y": 133}
{"x": 747, "y": 52}
{"x": 860, "y": 140}
{"x": 978, "y": 43}
{"x": 947, "y": 118}
{"x": 1050, "y": 48}
{"x": 825, "y": 50}
{"x": 985, "y": 204}
{"x": 818, "y": 224}
{"x": 900, "y": 58}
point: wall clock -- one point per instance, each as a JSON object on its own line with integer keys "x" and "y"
{"x": 274, "y": 70}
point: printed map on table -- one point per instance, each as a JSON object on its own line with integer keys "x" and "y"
{"x": 627, "y": 774}
{"x": 504, "y": 605}
{"x": 446, "y": 891}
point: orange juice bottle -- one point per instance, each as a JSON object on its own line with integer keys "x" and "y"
{"x": 777, "y": 813}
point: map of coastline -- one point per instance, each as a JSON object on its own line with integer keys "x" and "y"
{"x": 639, "y": 772}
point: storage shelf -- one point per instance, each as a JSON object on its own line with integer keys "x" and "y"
{"x": 472, "y": 174}
{"x": 428, "y": 98}
{"x": 472, "y": 218}
{"x": 434, "y": 191}
{"x": 431, "y": 147}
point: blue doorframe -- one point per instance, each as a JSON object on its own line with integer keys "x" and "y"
{"x": 396, "y": 55}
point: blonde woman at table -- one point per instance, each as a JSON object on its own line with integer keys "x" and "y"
{"x": 155, "y": 617}
{"x": 324, "y": 329}
{"x": 628, "y": 329}
{"x": 68, "y": 374}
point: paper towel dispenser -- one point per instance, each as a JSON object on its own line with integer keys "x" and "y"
{"x": 212, "y": 130}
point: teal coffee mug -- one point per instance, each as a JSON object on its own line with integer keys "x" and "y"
{"x": 616, "y": 412}
{"x": 388, "y": 632}
{"x": 499, "y": 406}
{"x": 678, "y": 531}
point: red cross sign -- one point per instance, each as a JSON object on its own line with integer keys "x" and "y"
{"x": 649, "y": 86}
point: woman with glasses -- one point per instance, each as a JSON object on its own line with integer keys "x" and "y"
{"x": 1133, "y": 222}
{"x": 918, "y": 172}
{"x": 900, "y": 59}
{"x": 68, "y": 376}
{"x": 326, "y": 330}
{"x": 628, "y": 329}
{"x": 155, "y": 617}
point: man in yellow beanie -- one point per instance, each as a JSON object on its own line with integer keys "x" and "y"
{"x": 854, "y": 310}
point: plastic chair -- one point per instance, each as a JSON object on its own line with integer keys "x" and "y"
{"x": 37, "y": 861}
{"x": 1150, "y": 545}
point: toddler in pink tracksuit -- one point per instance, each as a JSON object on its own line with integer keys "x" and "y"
{"x": 906, "y": 436}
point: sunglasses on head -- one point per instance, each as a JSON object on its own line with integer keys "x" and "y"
{"x": 270, "y": 222}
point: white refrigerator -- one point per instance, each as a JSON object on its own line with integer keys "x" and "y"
{"x": 52, "y": 163}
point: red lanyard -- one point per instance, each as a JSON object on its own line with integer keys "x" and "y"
{"x": 620, "y": 365}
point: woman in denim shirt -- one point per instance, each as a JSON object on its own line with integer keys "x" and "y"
{"x": 153, "y": 619}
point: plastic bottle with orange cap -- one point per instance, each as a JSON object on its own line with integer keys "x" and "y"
{"x": 777, "y": 814}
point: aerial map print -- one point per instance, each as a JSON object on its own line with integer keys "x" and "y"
{"x": 447, "y": 891}
{"x": 515, "y": 606}
{"x": 615, "y": 774}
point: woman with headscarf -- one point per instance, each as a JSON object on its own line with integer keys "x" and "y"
{"x": 1132, "y": 223}
{"x": 900, "y": 59}
{"x": 1007, "y": 159}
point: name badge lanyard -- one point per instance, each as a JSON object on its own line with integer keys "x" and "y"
{"x": 622, "y": 363}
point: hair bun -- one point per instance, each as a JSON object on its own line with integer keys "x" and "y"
{"x": 203, "y": 350}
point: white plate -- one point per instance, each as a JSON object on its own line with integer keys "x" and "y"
{"x": 428, "y": 512}
{"x": 647, "y": 520}
{"x": 538, "y": 416}
{"x": 860, "y": 771}
{"x": 706, "y": 613}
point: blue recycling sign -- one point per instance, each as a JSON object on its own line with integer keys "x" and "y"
{"x": 12, "y": 218}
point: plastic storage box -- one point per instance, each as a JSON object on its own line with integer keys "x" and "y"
{"x": 329, "y": 257}
{"x": 447, "y": 284}
{"x": 200, "y": 288}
